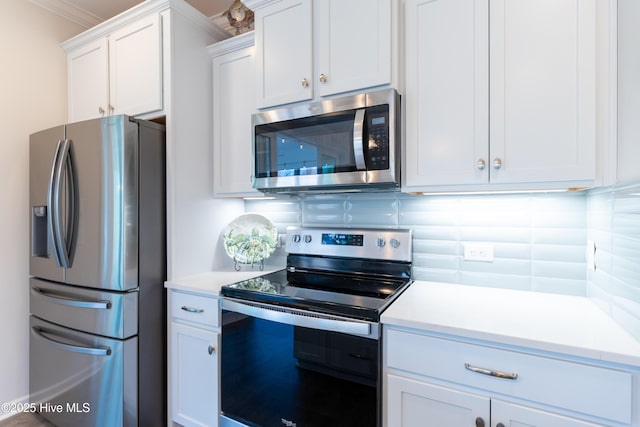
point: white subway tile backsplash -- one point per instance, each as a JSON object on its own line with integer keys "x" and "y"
{"x": 614, "y": 225}
{"x": 539, "y": 240}
{"x": 533, "y": 236}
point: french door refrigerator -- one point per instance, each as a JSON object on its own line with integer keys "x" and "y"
{"x": 97, "y": 271}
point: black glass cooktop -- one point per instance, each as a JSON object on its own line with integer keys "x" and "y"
{"x": 354, "y": 295}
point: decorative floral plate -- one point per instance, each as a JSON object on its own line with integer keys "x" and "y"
{"x": 250, "y": 239}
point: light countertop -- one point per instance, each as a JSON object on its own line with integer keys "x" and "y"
{"x": 209, "y": 283}
{"x": 558, "y": 323}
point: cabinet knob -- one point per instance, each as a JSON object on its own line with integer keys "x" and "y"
{"x": 305, "y": 82}
{"x": 323, "y": 78}
{"x": 111, "y": 107}
{"x": 499, "y": 425}
{"x": 100, "y": 110}
{"x": 480, "y": 422}
{"x": 481, "y": 164}
{"x": 497, "y": 163}
{"x": 212, "y": 350}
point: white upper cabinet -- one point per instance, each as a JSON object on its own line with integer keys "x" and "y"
{"x": 233, "y": 63}
{"x": 308, "y": 50}
{"x": 284, "y": 53}
{"x": 446, "y": 92}
{"x": 628, "y": 91}
{"x": 543, "y": 90}
{"x": 353, "y": 42}
{"x": 513, "y": 106}
{"x": 120, "y": 73}
{"x": 88, "y": 80}
{"x": 135, "y": 67}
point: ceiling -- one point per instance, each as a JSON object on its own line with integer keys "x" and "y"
{"x": 91, "y": 12}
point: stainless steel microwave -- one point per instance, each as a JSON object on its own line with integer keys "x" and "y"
{"x": 343, "y": 144}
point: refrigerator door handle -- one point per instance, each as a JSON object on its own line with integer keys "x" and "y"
{"x": 103, "y": 304}
{"x": 53, "y": 201}
{"x": 94, "y": 351}
{"x": 63, "y": 242}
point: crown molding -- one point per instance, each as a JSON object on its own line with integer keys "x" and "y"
{"x": 69, "y": 11}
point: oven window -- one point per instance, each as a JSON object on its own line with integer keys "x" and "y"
{"x": 309, "y": 146}
{"x": 274, "y": 374}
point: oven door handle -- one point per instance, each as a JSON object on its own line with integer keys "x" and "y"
{"x": 300, "y": 318}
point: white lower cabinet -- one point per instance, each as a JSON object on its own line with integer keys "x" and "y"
{"x": 447, "y": 381}
{"x": 418, "y": 403}
{"x": 509, "y": 414}
{"x": 194, "y": 341}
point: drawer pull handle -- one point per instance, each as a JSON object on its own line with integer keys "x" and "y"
{"x": 490, "y": 372}
{"x": 192, "y": 310}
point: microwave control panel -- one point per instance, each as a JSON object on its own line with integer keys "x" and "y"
{"x": 378, "y": 138}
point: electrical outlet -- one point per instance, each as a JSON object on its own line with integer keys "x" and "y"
{"x": 478, "y": 252}
{"x": 591, "y": 255}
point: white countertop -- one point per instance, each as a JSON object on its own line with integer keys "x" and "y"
{"x": 209, "y": 283}
{"x": 549, "y": 322}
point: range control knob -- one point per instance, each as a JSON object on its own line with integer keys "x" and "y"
{"x": 307, "y": 238}
{"x": 296, "y": 238}
{"x": 380, "y": 242}
{"x": 394, "y": 243}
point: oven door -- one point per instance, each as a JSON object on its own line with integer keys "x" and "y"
{"x": 288, "y": 367}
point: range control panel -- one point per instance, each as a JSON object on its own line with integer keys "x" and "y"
{"x": 387, "y": 244}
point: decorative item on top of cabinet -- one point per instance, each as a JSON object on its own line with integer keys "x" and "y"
{"x": 233, "y": 103}
{"x": 509, "y": 106}
{"x": 307, "y": 50}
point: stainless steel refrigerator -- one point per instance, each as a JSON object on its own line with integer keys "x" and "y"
{"x": 97, "y": 266}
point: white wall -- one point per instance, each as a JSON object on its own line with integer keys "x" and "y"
{"x": 33, "y": 89}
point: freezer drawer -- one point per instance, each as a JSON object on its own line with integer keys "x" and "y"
{"x": 112, "y": 314}
{"x": 77, "y": 379}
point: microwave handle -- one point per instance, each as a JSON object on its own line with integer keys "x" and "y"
{"x": 358, "y": 139}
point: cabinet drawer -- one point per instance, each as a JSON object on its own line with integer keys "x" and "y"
{"x": 195, "y": 308}
{"x": 589, "y": 389}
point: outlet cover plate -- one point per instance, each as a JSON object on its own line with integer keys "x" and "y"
{"x": 478, "y": 252}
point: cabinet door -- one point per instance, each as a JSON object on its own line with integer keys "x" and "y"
{"x": 504, "y": 414}
{"x": 88, "y": 81}
{"x": 233, "y": 103}
{"x": 543, "y": 90}
{"x": 446, "y": 97}
{"x": 412, "y": 403}
{"x": 284, "y": 52}
{"x": 135, "y": 67}
{"x": 628, "y": 91}
{"x": 194, "y": 375}
{"x": 354, "y": 44}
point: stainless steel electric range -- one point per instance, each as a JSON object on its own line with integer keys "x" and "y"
{"x": 302, "y": 346}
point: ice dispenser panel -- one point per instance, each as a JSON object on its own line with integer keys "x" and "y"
{"x": 39, "y": 234}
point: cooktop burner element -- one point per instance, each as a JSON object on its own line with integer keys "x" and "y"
{"x": 354, "y": 273}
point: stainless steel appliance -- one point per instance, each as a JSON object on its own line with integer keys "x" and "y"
{"x": 97, "y": 265}
{"x": 348, "y": 143}
{"x": 302, "y": 346}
